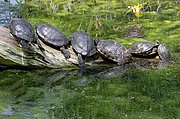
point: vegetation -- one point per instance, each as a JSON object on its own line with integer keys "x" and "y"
{"x": 106, "y": 19}
{"x": 135, "y": 94}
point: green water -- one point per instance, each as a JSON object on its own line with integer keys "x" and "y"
{"x": 135, "y": 93}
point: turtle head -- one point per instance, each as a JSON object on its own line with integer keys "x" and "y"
{"x": 96, "y": 41}
{"x": 68, "y": 42}
{"x": 154, "y": 50}
{"x": 35, "y": 38}
{"x": 158, "y": 42}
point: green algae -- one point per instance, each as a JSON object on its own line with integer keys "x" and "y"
{"x": 131, "y": 95}
{"x": 136, "y": 93}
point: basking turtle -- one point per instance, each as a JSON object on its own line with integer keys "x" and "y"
{"x": 134, "y": 32}
{"x": 163, "y": 52}
{"x": 143, "y": 49}
{"x": 54, "y": 38}
{"x": 111, "y": 50}
{"x": 22, "y": 30}
{"x": 164, "y": 55}
{"x": 150, "y": 50}
{"x": 83, "y": 45}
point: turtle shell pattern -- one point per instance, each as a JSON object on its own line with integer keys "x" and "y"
{"x": 83, "y": 44}
{"x": 142, "y": 48}
{"x": 113, "y": 51}
{"x": 51, "y": 36}
{"x": 163, "y": 52}
{"x": 22, "y": 29}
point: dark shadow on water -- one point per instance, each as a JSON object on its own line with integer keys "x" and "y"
{"x": 100, "y": 70}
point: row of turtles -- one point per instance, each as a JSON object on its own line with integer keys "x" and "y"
{"x": 84, "y": 45}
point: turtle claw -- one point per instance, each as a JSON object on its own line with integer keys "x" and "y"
{"x": 24, "y": 44}
{"x": 65, "y": 52}
{"x": 81, "y": 61}
{"x": 67, "y": 55}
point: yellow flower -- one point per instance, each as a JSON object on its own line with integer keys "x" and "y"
{"x": 137, "y": 10}
{"x": 138, "y": 14}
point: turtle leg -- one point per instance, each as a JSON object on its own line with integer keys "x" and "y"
{"x": 65, "y": 52}
{"x": 96, "y": 41}
{"x": 24, "y": 44}
{"x": 81, "y": 61}
{"x": 81, "y": 65}
{"x": 95, "y": 56}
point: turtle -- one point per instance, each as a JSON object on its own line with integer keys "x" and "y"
{"x": 111, "y": 50}
{"x": 23, "y": 31}
{"x": 163, "y": 55}
{"x": 150, "y": 50}
{"x": 143, "y": 49}
{"x": 54, "y": 38}
{"x": 134, "y": 32}
{"x": 83, "y": 45}
{"x": 163, "y": 52}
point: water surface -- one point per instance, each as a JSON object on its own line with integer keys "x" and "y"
{"x": 107, "y": 92}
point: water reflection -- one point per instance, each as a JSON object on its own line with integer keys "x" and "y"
{"x": 63, "y": 93}
{"x": 8, "y": 10}
{"x": 8, "y": 112}
{"x": 102, "y": 71}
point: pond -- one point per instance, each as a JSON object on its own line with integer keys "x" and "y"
{"x": 106, "y": 92}
{"x": 7, "y": 11}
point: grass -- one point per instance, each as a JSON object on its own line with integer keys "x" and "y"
{"x": 134, "y": 94}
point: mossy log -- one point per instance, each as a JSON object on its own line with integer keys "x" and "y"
{"x": 11, "y": 54}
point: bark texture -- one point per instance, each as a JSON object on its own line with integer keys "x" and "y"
{"x": 11, "y": 53}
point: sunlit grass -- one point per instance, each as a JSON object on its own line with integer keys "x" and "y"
{"x": 141, "y": 93}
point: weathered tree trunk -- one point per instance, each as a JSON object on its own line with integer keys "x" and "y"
{"x": 41, "y": 55}
{"x": 11, "y": 54}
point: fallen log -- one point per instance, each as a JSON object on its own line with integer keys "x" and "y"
{"x": 43, "y": 56}
{"x": 11, "y": 54}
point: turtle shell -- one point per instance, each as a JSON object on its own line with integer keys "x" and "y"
{"x": 51, "y": 36}
{"x": 163, "y": 52}
{"x": 22, "y": 29}
{"x": 83, "y": 44}
{"x": 114, "y": 51}
{"x": 143, "y": 49}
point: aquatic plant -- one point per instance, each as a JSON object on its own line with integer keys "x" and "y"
{"x": 145, "y": 93}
